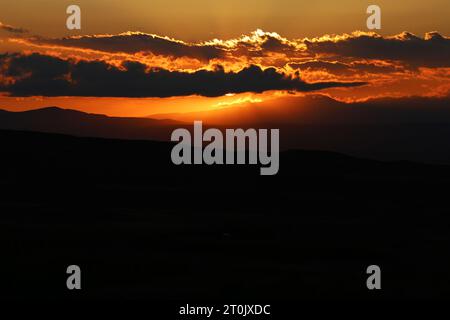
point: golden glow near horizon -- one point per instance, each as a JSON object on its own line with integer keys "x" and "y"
{"x": 139, "y": 107}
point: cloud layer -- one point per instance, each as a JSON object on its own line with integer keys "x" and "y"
{"x": 134, "y": 42}
{"x": 433, "y": 50}
{"x": 159, "y": 66}
{"x": 42, "y": 75}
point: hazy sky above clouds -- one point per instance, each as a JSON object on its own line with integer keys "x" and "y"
{"x": 195, "y": 20}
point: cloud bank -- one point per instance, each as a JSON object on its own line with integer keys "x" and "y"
{"x": 398, "y": 65}
{"x": 433, "y": 50}
{"x": 42, "y": 75}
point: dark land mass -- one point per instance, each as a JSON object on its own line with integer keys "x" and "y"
{"x": 141, "y": 227}
{"x": 388, "y": 130}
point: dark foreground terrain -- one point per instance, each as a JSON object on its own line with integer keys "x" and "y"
{"x": 140, "y": 227}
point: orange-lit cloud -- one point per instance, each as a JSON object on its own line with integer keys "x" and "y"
{"x": 431, "y": 51}
{"x": 141, "y": 65}
{"x": 264, "y": 48}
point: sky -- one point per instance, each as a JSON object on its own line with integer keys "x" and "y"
{"x": 198, "y": 20}
{"x": 141, "y": 57}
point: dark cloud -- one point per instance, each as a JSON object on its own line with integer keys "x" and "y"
{"x": 259, "y": 43}
{"x": 49, "y": 76}
{"x": 11, "y": 29}
{"x": 431, "y": 51}
{"x": 137, "y": 42}
{"x": 346, "y": 69}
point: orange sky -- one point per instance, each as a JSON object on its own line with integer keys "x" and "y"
{"x": 126, "y": 107}
{"x": 199, "y": 20}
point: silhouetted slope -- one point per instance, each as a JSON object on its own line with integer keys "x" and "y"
{"x": 140, "y": 227}
{"x": 65, "y": 121}
{"x": 415, "y": 129}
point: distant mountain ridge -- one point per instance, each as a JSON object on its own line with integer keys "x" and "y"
{"x": 73, "y": 122}
{"x": 323, "y": 110}
{"x": 415, "y": 128}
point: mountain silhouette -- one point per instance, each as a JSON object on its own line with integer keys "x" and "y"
{"x": 66, "y": 121}
{"x": 388, "y": 129}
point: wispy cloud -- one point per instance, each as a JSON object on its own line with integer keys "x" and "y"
{"x": 12, "y": 29}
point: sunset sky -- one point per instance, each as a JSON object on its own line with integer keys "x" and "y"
{"x": 140, "y": 57}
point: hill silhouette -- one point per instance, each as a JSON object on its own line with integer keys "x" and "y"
{"x": 389, "y": 129}
{"x": 66, "y": 121}
{"x": 140, "y": 227}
